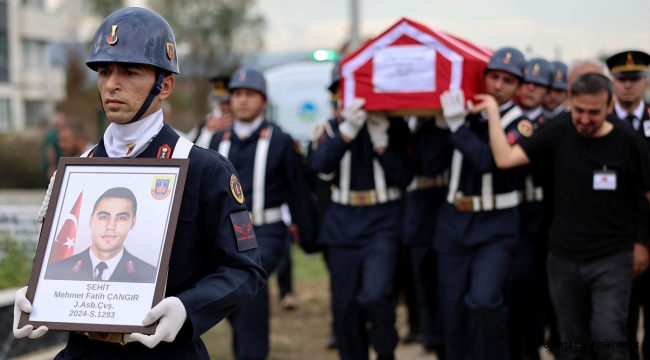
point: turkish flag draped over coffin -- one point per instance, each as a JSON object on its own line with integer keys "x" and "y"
{"x": 405, "y": 69}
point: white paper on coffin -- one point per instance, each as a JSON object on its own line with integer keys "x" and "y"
{"x": 404, "y": 68}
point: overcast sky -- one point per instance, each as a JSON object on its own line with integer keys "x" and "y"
{"x": 571, "y": 29}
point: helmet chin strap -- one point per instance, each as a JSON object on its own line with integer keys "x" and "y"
{"x": 155, "y": 90}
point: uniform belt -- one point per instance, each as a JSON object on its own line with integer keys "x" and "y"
{"x": 366, "y": 197}
{"x": 535, "y": 194}
{"x": 475, "y": 203}
{"x": 421, "y": 182}
{"x": 270, "y": 216}
{"x": 121, "y": 339}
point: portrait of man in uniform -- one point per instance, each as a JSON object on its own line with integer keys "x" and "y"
{"x": 107, "y": 259}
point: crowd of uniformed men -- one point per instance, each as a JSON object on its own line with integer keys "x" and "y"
{"x": 371, "y": 191}
{"x": 428, "y": 187}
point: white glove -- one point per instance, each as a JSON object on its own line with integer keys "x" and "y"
{"x": 453, "y": 108}
{"x": 353, "y": 118}
{"x": 377, "y": 128}
{"x": 172, "y": 315}
{"x": 21, "y": 305}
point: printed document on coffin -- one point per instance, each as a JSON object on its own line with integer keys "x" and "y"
{"x": 403, "y": 69}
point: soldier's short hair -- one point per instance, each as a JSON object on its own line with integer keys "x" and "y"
{"x": 592, "y": 84}
{"x": 118, "y": 193}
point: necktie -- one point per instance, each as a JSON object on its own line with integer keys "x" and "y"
{"x": 99, "y": 270}
{"x": 633, "y": 121}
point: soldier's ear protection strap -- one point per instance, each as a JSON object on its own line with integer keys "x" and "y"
{"x": 155, "y": 90}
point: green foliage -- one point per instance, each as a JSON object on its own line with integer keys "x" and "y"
{"x": 15, "y": 263}
{"x": 218, "y": 32}
{"x": 310, "y": 267}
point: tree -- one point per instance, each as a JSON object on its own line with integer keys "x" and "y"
{"x": 218, "y": 32}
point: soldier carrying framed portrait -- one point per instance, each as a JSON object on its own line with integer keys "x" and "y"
{"x": 103, "y": 253}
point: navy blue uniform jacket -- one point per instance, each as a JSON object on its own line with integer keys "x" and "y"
{"x": 136, "y": 271}
{"x": 346, "y": 225}
{"x": 286, "y": 177}
{"x": 474, "y": 228}
{"x": 432, "y": 156}
{"x": 206, "y": 271}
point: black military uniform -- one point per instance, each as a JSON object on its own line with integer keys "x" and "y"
{"x": 477, "y": 229}
{"x": 272, "y": 174}
{"x": 634, "y": 65}
{"x": 432, "y": 158}
{"x": 209, "y": 270}
{"x": 523, "y": 293}
{"x": 80, "y": 267}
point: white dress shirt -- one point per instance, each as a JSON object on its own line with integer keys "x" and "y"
{"x": 112, "y": 264}
{"x": 245, "y": 129}
{"x": 637, "y": 113}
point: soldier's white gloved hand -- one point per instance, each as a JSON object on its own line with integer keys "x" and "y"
{"x": 21, "y": 304}
{"x": 378, "y": 125}
{"x": 353, "y": 118}
{"x": 172, "y": 315}
{"x": 453, "y": 109}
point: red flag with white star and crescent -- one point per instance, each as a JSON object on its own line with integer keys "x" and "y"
{"x": 63, "y": 245}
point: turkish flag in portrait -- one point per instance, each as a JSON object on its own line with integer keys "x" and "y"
{"x": 63, "y": 245}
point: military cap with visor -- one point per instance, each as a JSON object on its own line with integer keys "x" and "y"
{"x": 629, "y": 64}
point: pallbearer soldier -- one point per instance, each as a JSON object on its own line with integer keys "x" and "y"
{"x": 630, "y": 71}
{"x": 220, "y": 118}
{"x": 272, "y": 173}
{"x": 432, "y": 155}
{"x": 478, "y": 225}
{"x": 367, "y": 155}
{"x": 557, "y": 94}
{"x": 524, "y": 285}
{"x": 210, "y": 273}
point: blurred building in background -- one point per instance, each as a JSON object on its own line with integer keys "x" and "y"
{"x": 30, "y": 86}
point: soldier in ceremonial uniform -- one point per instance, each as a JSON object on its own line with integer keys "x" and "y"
{"x": 531, "y": 94}
{"x": 557, "y": 93}
{"x": 114, "y": 214}
{"x": 367, "y": 157}
{"x": 478, "y": 224}
{"x": 272, "y": 173}
{"x": 630, "y": 71}
{"x": 432, "y": 158}
{"x": 210, "y": 272}
{"x": 524, "y": 284}
{"x": 220, "y": 118}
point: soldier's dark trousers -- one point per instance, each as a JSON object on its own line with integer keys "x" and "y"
{"x": 475, "y": 321}
{"x": 285, "y": 278}
{"x": 591, "y": 299}
{"x": 250, "y": 321}
{"x": 524, "y": 295}
{"x": 424, "y": 264}
{"x": 362, "y": 292}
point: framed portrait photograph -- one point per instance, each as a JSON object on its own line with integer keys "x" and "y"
{"x": 103, "y": 253}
